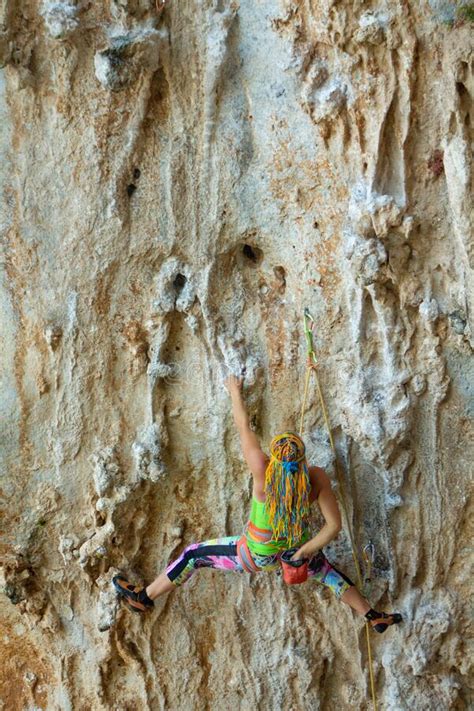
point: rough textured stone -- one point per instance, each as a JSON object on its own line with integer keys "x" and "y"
{"x": 176, "y": 187}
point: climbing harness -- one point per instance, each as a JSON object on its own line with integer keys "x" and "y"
{"x": 245, "y": 555}
{"x": 309, "y": 325}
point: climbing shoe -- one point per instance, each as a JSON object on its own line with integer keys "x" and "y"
{"x": 381, "y": 620}
{"x": 134, "y": 596}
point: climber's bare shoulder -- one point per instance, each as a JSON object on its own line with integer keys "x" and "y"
{"x": 258, "y": 474}
{"x": 319, "y": 480}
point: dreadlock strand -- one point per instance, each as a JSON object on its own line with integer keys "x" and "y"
{"x": 287, "y": 487}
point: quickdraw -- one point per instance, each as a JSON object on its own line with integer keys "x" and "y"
{"x": 368, "y": 554}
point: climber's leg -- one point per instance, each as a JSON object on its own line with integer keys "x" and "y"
{"x": 320, "y": 568}
{"x": 378, "y": 620}
{"x": 218, "y": 553}
{"x": 354, "y": 599}
{"x": 161, "y": 585}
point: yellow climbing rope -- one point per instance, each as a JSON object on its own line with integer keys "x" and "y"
{"x": 312, "y": 355}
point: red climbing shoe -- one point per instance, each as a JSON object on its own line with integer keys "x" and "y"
{"x": 381, "y": 620}
{"x": 134, "y": 596}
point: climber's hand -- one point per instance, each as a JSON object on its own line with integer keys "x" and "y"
{"x": 233, "y": 384}
{"x": 307, "y": 550}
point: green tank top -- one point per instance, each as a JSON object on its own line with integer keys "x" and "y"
{"x": 260, "y": 541}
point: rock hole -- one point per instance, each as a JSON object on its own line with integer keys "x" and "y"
{"x": 253, "y": 254}
{"x": 134, "y": 650}
{"x": 461, "y": 89}
{"x": 179, "y": 282}
{"x": 280, "y": 275}
{"x": 136, "y": 173}
{"x": 452, "y": 122}
{"x": 131, "y": 189}
{"x": 435, "y": 163}
{"x": 315, "y": 224}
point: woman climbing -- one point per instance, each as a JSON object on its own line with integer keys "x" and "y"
{"x": 284, "y": 487}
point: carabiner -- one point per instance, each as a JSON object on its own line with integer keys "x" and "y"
{"x": 369, "y": 557}
{"x": 369, "y": 550}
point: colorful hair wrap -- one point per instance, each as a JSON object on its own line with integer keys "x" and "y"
{"x": 287, "y": 487}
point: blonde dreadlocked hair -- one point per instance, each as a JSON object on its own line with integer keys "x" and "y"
{"x": 287, "y": 487}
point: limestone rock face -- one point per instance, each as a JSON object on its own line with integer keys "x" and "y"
{"x": 176, "y": 186}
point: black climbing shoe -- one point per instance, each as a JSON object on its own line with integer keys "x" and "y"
{"x": 380, "y": 621}
{"x": 134, "y": 596}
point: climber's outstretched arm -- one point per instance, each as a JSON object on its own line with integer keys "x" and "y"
{"x": 253, "y": 455}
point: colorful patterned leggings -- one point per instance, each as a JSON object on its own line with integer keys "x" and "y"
{"x": 221, "y": 553}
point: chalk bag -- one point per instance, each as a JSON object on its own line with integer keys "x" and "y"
{"x": 294, "y": 571}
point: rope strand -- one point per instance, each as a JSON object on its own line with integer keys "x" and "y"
{"x": 311, "y": 353}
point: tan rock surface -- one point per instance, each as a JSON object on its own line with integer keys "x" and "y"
{"x": 175, "y": 189}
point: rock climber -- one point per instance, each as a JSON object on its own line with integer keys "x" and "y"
{"x": 284, "y": 487}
